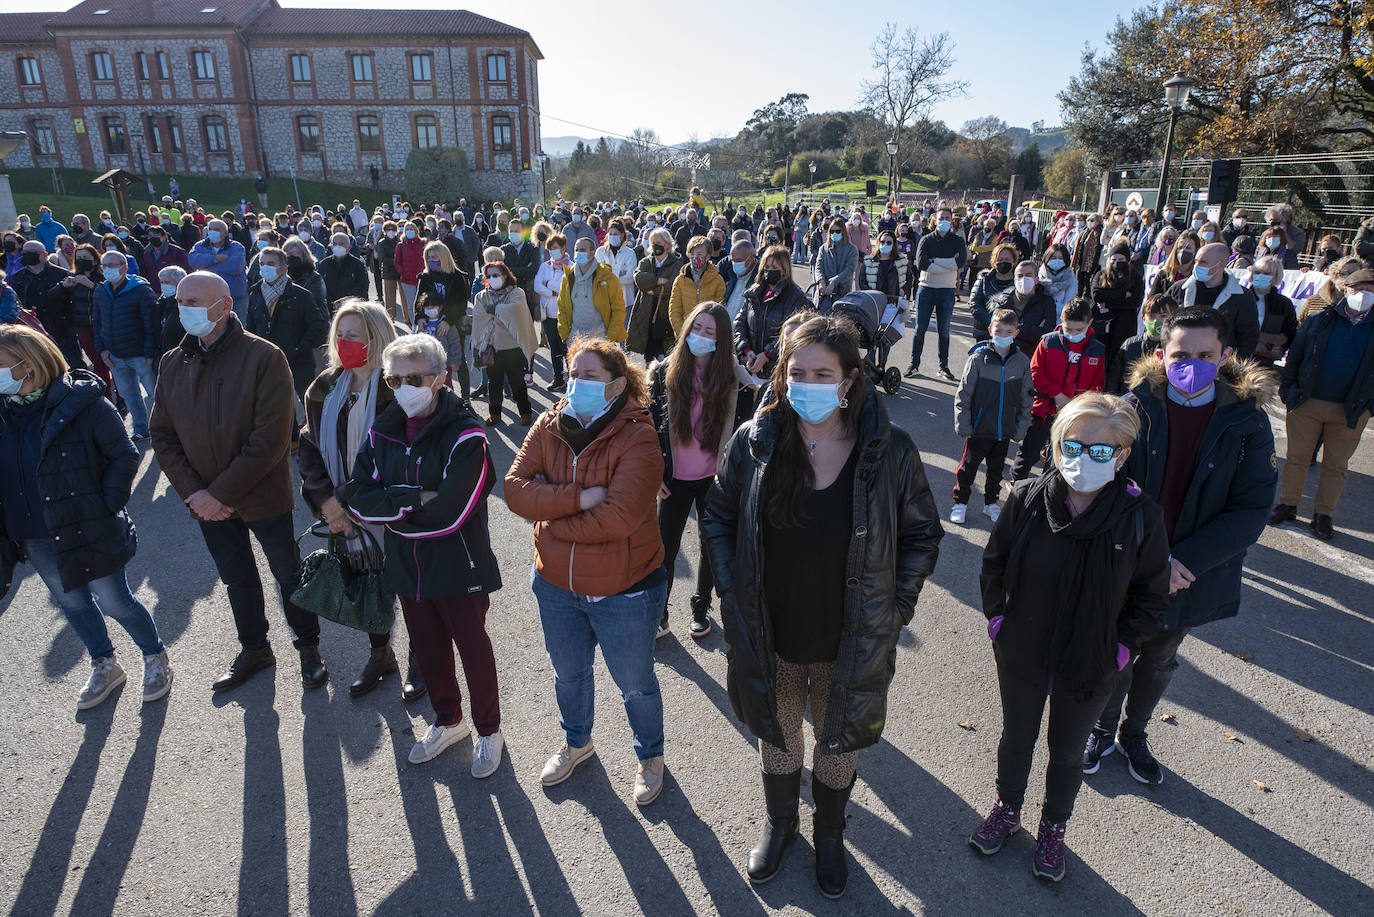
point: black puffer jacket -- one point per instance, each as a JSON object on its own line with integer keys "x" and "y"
{"x": 86, "y": 471}
{"x": 1308, "y": 353}
{"x": 441, "y": 549}
{"x": 896, "y": 540}
{"x": 297, "y": 326}
{"x": 760, "y": 320}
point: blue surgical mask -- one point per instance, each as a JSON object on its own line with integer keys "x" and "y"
{"x": 1203, "y": 274}
{"x": 112, "y": 274}
{"x": 1075, "y": 338}
{"x": 1261, "y": 283}
{"x": 739, "y": 267}
{"x": 581, "y": 258}
{"x": 268, "y": 272}
{"x": 515, "y": 238}
{"x": 8, "y": 384}
{"x": 613, "y": 239}
{"x": 943, "y": 225}
{"x": 410, "y": 234}
{"x": 434, "y": 266}
{"x": 885, "y": 248}
{"x": 196, "y": 320}
{"x": 587, "y": 397}
{"x": 1055, "y": 264}
{"x": 814, "y": 401}
{"x": 1003, "y": 342}
{"x": 836, "y": 237}
{"x": 169, "y": 289}
{"x": 262, "y": 243}
{"x": 213, "y": 235}
{"x": 699, "y": 344}
{"x": 577, "y": 218}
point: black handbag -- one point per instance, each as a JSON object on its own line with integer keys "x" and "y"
{"x": 332, "y": 587}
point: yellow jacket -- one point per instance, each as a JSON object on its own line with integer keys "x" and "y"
{"x": 607, "y": 296}
{"x": 687, "y": 295}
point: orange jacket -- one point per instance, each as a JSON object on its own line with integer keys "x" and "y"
{"x": 615, "y": 544}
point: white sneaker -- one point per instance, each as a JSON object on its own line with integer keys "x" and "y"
{"x": 106, "y": 675}
{"x": 436, "y": 740}
{"x": 561, "y": 765}
{"x": 486, "y": 754}
{"x": 157, "y": 677}
{"x": 992, "y": 511}
{"x": 956, "y": 515}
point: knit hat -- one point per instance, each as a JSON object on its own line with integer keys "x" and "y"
{"x": 1121, "y": 248}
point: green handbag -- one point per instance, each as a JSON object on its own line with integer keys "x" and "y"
{"x": 331, "y": 587}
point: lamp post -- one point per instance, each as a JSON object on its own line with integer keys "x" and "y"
{"x": 891, "y": 165}
{"x": 1176, "y": 90}
{"x": 811, "y": 185}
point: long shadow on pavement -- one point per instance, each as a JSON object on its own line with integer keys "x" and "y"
{"x": 330, "y": 879}
{"x": 263, "y": 882}
{"x": 48, "y": 868}
{"x": 100, "y": 883}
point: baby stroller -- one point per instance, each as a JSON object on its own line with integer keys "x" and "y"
{"x": 880, "y": 326}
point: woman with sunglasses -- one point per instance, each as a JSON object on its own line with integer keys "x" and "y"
{"x": 1075, "y": 578}
{"x": 425, "y": 472}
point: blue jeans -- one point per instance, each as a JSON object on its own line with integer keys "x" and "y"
{"x": 941, "y": 302}
{"x": 85, "y": 606}
{"x": 129, "y": 373}
{"x": 624, "y": 626}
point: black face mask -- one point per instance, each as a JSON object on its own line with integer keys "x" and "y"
{"x": 1331, "y": 254}
{"x": 658, "y": 251}
{"x": 11, "y": 245}
{"x": 1119, "y": 269}
{"x": 771, "y": 276}
{"x": 294, "y": 265}
{"x": 84, "y": 265}
{"x": 29, "y": 259}
{"x": 1004, "y": 267}
{"x": 1185, "y": 257}
{"x": 156, "y": 241}
{"x": 772, "y": 240}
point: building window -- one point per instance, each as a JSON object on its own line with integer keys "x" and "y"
{"x": 164, "y": 69}
{"x": 308, "y": 133}
{"x": 116, "y": 144}
{"x": 420, "y": 70}
{"x": 141, "y": 66}
{"x": 102, "y": 68}
{"x": 154, "y": 134}
{"x": 369, "y": 134}
{"x": 41, "y": 137}
{"x": 29, "y": 74}
{"x": 202, "y": 65}
{"x": 426, "y": 132}
{"x": 174, "y": 133}
{"x": 300, "y": 68}
{"x": 500, "y": 134}
{"x": 362, "y": 68}
{"x": 215, "y": 141}
{"x": 496, "y": 68}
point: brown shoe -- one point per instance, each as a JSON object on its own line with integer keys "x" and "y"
{"x": 1283, "y": 513}
{"x": 526, "y": 419}
{"x": 1321, "y": 527}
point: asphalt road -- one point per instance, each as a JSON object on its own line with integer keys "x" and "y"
{"x": 274, "y": 801}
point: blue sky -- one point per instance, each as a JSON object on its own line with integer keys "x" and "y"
{"x": 1014, "y": 55}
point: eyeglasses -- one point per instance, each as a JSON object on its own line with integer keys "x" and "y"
{"x": 415, "y": 379}
{"x": 1098, "y": 452}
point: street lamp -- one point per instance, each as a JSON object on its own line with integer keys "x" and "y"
{"x": 811, "y": 186}
{"x": 891, "y": 155}
{"x": 1176, "y": 91}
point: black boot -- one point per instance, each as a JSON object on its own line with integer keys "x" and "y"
{"x": 313, "y": 672}
{"x": 381, "y": 662}
{"x": 780, "y": 794}
{"x": 827, "y": 834}
{"x": 246, "y": 664}
{"x": 413, "y": 688}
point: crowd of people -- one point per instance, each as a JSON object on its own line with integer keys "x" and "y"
{"x": 688, "y": 372}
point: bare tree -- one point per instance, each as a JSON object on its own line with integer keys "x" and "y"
{"x": 910, "y": 75}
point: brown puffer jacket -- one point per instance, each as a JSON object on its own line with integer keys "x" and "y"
{"x": 222, "y": 421}
{"x": 612, "y": 546}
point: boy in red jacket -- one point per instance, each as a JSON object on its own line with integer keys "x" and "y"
{"x": 1067, "y": 362}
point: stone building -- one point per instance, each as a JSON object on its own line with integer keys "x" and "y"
{"x": 241, "y": 87}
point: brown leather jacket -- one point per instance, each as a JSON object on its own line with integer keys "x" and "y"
{"x": 222, "y": 421}
{"x": 612, "y": 546}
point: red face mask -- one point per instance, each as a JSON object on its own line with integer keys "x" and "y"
{"x": 352, "y": 354}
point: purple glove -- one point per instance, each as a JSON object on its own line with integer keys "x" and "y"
{"x": 994, "y": 626}
{"x": 1123, "y": 656}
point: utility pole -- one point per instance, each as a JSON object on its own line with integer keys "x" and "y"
{"x": 787, "y": 183}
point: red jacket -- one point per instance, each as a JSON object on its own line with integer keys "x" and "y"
{"x": 410, "y": 260}
{"x": 1059, "y": 367}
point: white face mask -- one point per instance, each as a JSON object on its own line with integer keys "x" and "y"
{"x": 495, "y": 281}
{"x": 1024, "y": 285}
{"x": 413, "y": 399}
{"x": 432, "y": 312}
{"x": 1359, "y": 301}
{"x": 1086, "y": 476}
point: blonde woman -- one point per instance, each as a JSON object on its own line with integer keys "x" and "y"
{"x": 650, "y": 330}
{"x": 441, "y": 309}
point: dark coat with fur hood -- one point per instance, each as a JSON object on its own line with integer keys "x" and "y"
{"x": 1233, "y": 482}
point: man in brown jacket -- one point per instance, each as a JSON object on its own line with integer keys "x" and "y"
{"x": 221, "y": 429}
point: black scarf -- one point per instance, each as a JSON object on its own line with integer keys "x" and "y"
{"x": 1081, "y": 652}
{"x": 580, "y": 437}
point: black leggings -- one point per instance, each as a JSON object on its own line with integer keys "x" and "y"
{"x": 672, "y": 522}
{"x": 509, "y": 367}
{"x": 1032, "y": 445}
{"x": 1071, "y": 719}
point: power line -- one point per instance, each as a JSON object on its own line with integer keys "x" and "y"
{"x": 606, "y": 133}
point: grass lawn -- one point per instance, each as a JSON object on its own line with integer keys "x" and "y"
{"x": 852, "y": 185}
{"x": 34, "y": 186}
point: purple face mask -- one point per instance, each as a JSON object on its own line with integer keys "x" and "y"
{"x": 1191, "y": 376}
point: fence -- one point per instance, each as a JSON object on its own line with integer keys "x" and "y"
{"x": 1330, "y": 193}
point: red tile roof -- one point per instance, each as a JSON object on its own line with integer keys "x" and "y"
{"x": 24, "y": 28}
{"x": 125, "y": 13}
{"x": 429, "y": 22}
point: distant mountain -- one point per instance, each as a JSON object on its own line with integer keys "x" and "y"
{"x": 1049, "y": 139}
{"x": 556, "y": 147}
